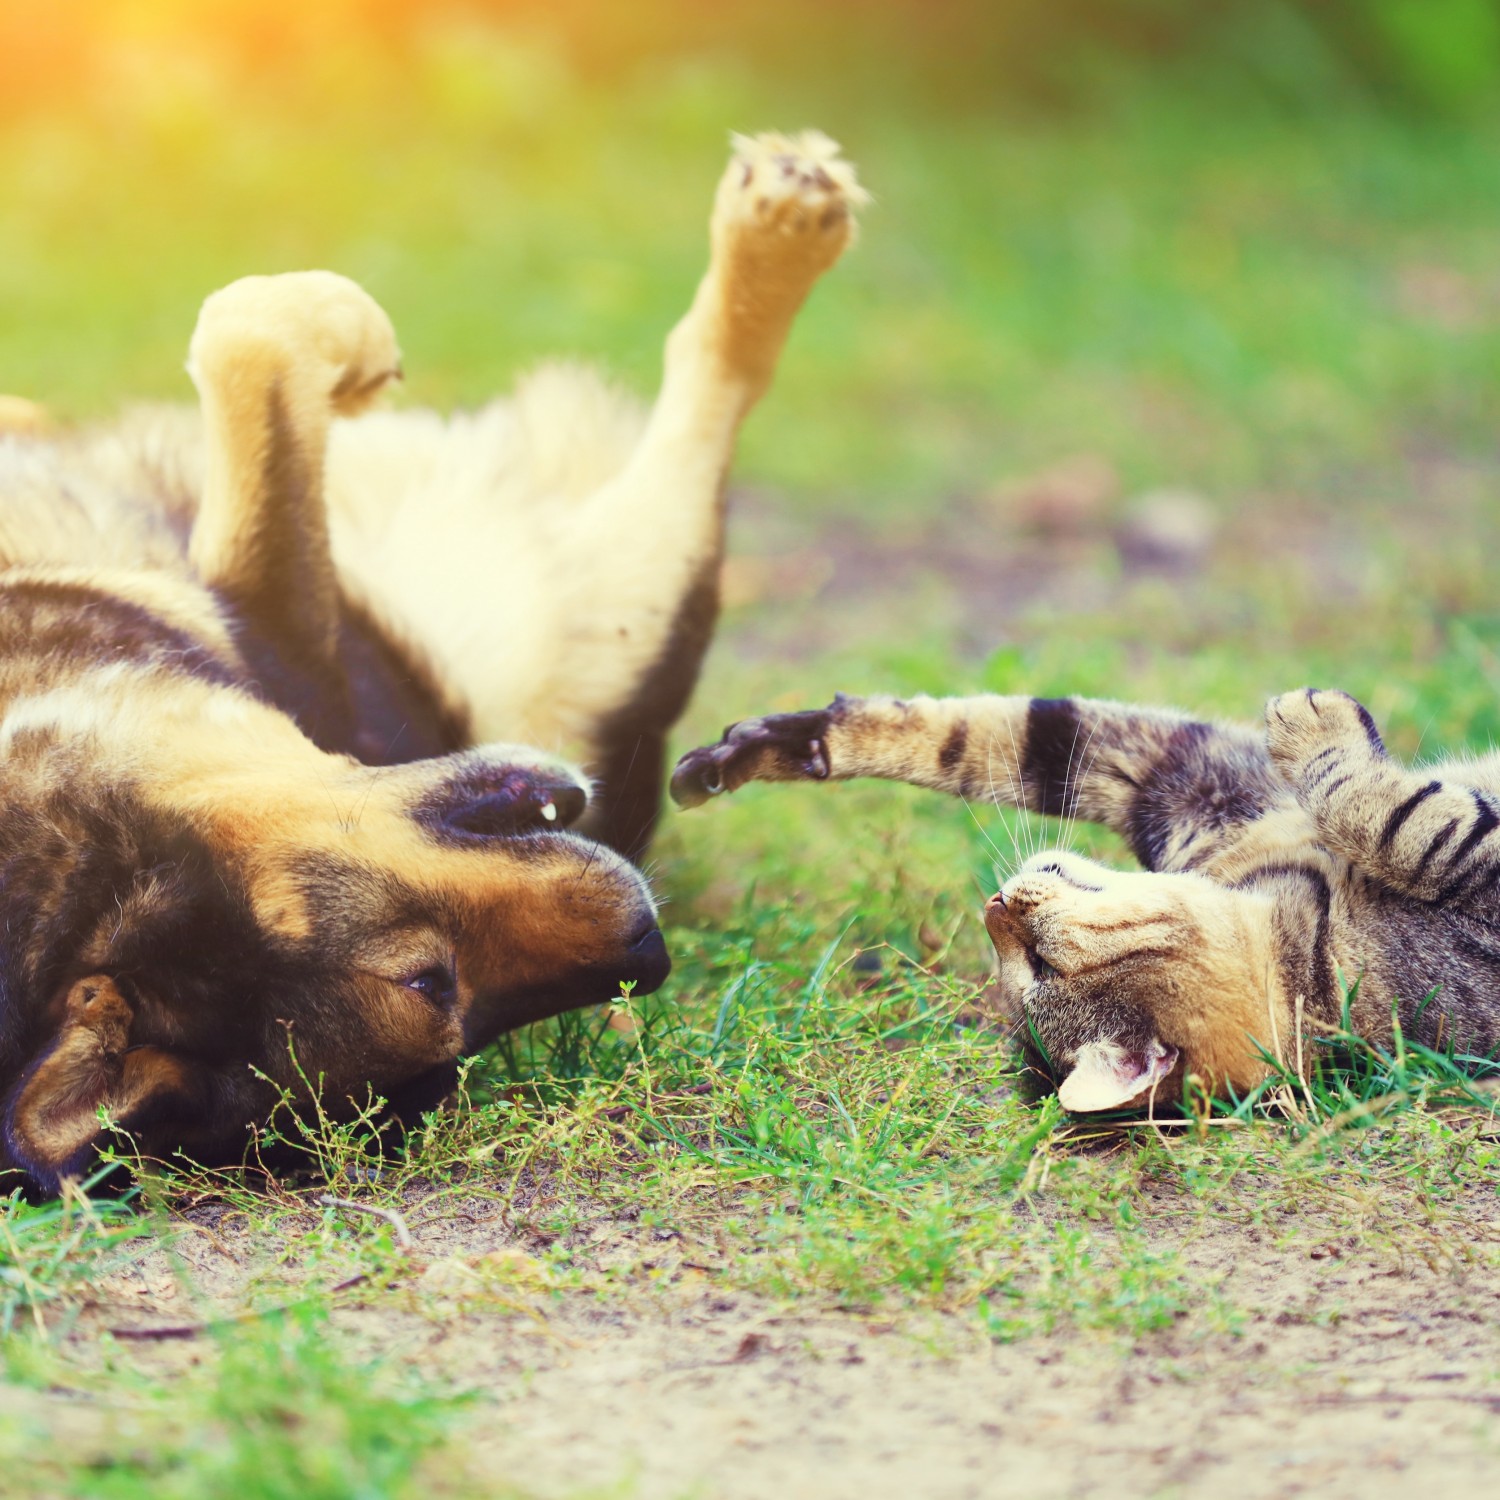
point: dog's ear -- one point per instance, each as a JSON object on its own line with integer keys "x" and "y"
{"x": 1110, "y": 1076}
{"x": 53, "y": 1120}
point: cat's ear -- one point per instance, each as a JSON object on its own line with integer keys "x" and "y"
{"x": 1109, "y": 1076}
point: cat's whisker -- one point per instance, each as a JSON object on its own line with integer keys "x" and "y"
{"x": 983, "y": 833}
{"x": 1010, "y": 827}
{"x": 1032, "y": 833}
{"x": 1065, "y": 824}
{"x": 1013, "y": 800}
{"x": 1070, "y": 826}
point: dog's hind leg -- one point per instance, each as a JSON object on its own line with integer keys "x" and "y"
{"x": 275, "y": 358}
{"x": 650, "y": 542}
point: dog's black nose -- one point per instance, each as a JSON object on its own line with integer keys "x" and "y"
{"x": 507, "y": 803}
{"x": 647, "y": 962}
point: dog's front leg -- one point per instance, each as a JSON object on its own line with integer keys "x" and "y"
{"x": 91, "y": 1081}
{"x": 275, "y": 358}
{"x": 654, "y": 536}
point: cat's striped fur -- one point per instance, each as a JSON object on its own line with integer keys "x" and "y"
{"x": 1279, "y": 868}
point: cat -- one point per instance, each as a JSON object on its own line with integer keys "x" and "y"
{"x": 1289, "y": 876}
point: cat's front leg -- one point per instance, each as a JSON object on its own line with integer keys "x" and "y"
{"x": 1176, "y": 788}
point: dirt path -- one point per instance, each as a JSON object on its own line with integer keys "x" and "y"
{"x": 749, "y": 1405}
{"x": 1350, "y": 1378}
{"x": 1348, "y": 1373}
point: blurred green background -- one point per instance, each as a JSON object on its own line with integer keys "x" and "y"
{"x": 1165, "y": 367}
{"x": 1225, "y": 244}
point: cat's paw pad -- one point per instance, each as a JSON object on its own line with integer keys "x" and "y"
{"x": 790, "y": 199}
{"x": 780, "y": 747}
{"x": 1314, "y": 725}
{"x": 316, "y": 324}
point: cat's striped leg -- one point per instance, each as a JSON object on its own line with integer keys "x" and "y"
{"x": 1435, "y": 839}
{"x": 1159, "y": 778}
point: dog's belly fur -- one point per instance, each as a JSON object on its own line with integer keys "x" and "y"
{"x": 468, "y": 539}
{"x": 457, "y": 542}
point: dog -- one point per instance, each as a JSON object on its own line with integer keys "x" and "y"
{"x": 271, "y": 673}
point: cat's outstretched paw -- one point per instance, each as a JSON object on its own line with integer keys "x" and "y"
{"x": 780, "y": 747}
{"x": 1311, "y": 729}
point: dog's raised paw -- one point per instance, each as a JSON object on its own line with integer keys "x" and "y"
{"x": 788, "y": 197}
{"x": 315, "y": 325}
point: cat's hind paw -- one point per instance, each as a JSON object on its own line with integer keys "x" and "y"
{"x": 1313, "y": 728}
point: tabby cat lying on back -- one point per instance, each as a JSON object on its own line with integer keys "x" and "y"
{"x": 1274, "y": 866}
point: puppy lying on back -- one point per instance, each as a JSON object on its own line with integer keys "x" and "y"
{"x": 268, "y": 679}
{"x": 1275, "y": 863}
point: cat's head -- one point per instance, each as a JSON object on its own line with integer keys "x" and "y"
{"x": 1131, "y": 981}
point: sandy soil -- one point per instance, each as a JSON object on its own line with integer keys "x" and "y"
{"x": 726, "y": 1398}
{"x": 1353, "y": 1373}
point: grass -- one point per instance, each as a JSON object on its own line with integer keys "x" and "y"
{"x": 1297, "y": 320}
{"x": 276, "y": 1410}
{"x": 52, "y": 1253}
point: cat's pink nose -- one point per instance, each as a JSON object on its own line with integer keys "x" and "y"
{"x": 998, "y": 919}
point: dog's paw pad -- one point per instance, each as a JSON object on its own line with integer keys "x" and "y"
{"x": 793, "y": 197}
{"x": 500, "y": 799}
